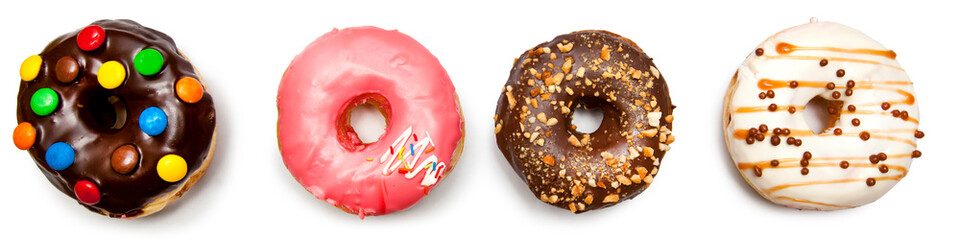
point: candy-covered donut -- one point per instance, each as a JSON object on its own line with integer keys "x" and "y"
{"x": 116, "y": 117}
{"x": 870, "y": 138}
{"x": 346, "y": 68}
{"x": 571, "y": 169}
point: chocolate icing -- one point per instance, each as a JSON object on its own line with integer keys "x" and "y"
{"x": 567, "y": 168}
{"x": 86, "y": 118}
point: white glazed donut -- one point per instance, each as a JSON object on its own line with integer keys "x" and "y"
{"x": 871, "y": 137}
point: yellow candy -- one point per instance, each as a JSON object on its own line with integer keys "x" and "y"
{"x": 111, "y": 74}
{"x": 30, "y": 68}
{"x": 172, "y": 168}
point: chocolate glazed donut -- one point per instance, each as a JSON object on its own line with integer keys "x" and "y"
{"x": 585, "y": 171}
{"x": 118, "y": 164}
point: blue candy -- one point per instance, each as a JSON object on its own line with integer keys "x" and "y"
{"x": 60, "y": 156}
{"x": 153, "y": 121}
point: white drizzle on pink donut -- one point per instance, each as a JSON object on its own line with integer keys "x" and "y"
{"x": 397, "y": 158}
{"x": 843, "y": 168}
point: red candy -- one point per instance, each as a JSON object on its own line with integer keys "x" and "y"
{"x": 87, "y": 192}
{"x": 91, "y": 37}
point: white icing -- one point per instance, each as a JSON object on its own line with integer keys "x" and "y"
{"x": 827, "y": 186}
{"x": 401, "y": 157}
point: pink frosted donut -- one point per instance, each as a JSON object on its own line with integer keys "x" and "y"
{"x": 346, "y": 68}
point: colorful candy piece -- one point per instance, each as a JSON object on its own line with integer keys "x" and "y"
{"x": 67, "y": 69}
{"x": 60, "y": 156}
{"x": 125, "y": 159}
{"x": 24, "y": 135}
{"x": 87, "y": 192}
{"x": 148, "y": 62}
{"x": 111, "y": 74}
{"x": 30, "y": 68}
{"x": 91, "y": 37}
{"x": 172, "y": 168}
{"x": 189, "y": 90}
{"x": 153, "y": 121}
{"x": 44, "y": 101}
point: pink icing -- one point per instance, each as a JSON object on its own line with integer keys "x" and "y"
{"x": 342, "y": 69}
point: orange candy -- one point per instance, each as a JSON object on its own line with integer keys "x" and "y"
{"x": 189, "y": 90}
{"x": 24, "y": 136}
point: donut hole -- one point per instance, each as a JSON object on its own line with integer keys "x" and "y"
{"x": 103, "y": 112}
{"x": 368, "y": 122}
{"x": 586, "y": 118}
{"x": 821, "y": 114}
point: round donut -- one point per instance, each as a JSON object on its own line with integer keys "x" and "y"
{"x": 116, "y": 117}
{"x": 345, "y": 68}
{"x": 871, "y": 135}
{"x": 571, "y": 169}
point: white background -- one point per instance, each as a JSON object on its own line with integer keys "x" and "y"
{"x": 243, "y": 48}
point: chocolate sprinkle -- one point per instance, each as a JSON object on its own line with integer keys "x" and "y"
{"x": 855, "y": 122}
{"x": 831, "y": 86}
{"x": 823, "y": 62}
{"x": 871, "y": 182}
{"x": 865, "y": 135}
{"x": 759, "y": 51}
{"x": 841, "y": 72}
{"x": 844, "y": 164}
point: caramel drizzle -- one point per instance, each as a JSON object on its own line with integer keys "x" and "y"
{"x": 812, "y": 202}
{"x": 822, "y": 162}
{"x": 767, "y": 109}
{"x": 786, "y": 48}
{"x": 826, "y": 162}
{"x": 785, "y": 186}
{"x": 742, "y": 134}
{"x": 833, "y": 59}
{"x": 769, "y": 84}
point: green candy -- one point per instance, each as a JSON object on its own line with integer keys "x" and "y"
{"x": 44, "y": 101}
{"x": 148, "y": 62}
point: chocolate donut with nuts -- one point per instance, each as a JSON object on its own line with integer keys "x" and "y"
{"x": 116, "y": 118}
{"x": 582, "y": 70}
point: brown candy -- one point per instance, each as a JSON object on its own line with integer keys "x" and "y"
{"x": 67, "y": 69}
{"x": 125, "y": 159}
